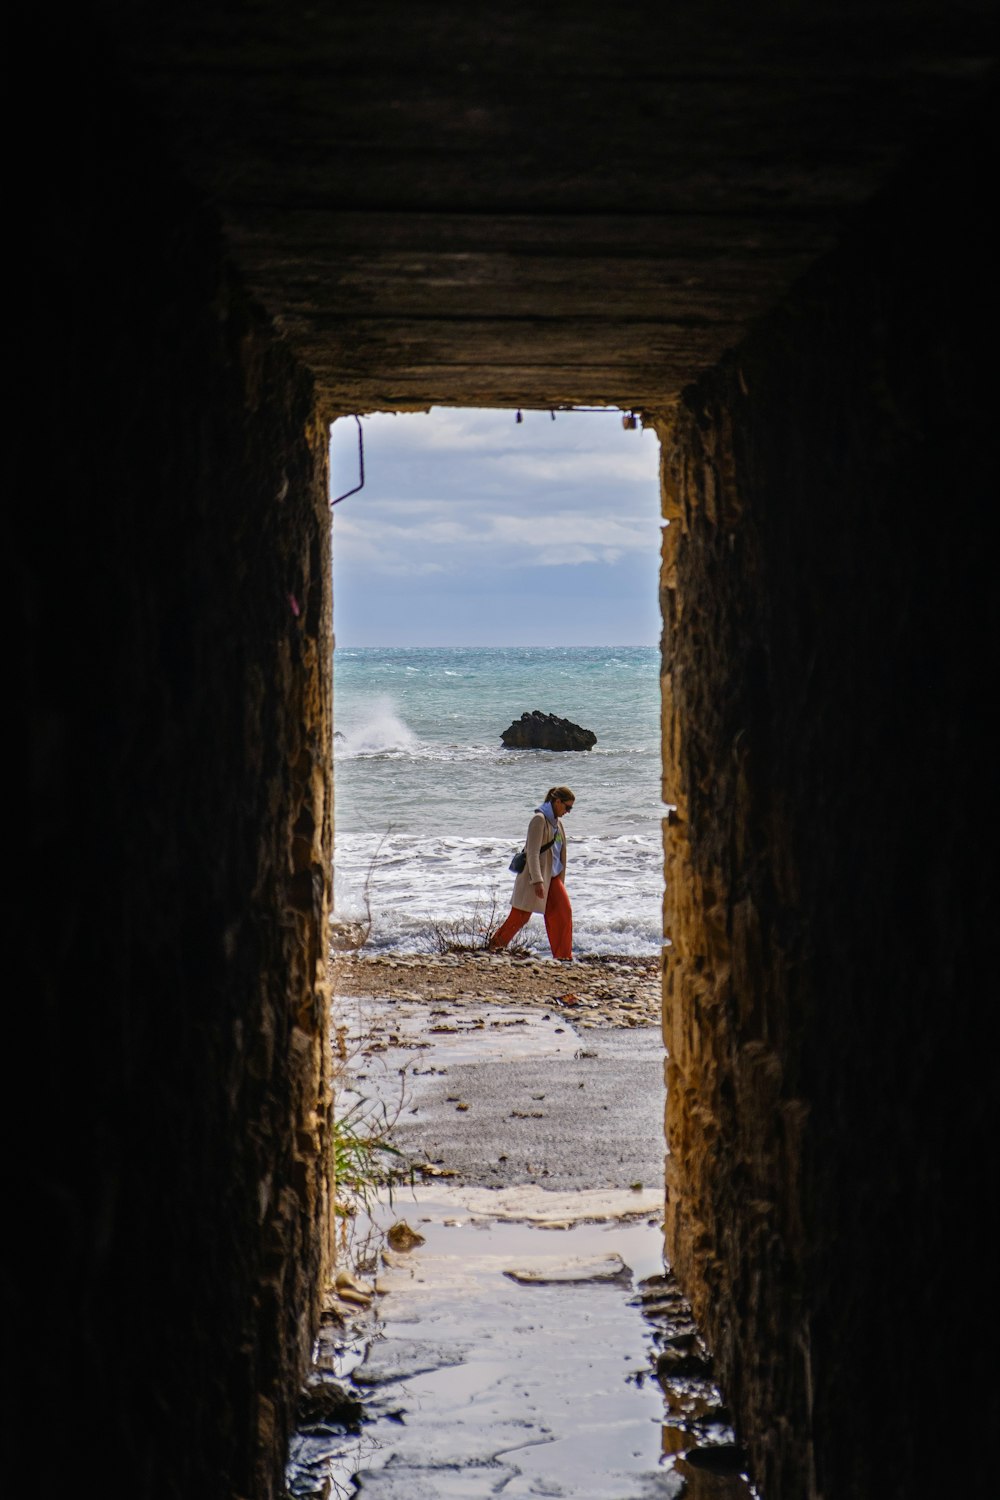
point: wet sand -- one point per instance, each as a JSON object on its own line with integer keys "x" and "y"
{"x": 512, "y": 1327}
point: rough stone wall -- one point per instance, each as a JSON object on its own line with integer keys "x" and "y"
{"x": 828, "y": 600}
{"x": 174, "y": 673}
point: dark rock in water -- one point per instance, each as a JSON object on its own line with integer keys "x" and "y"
{"x": 538, "y": 731}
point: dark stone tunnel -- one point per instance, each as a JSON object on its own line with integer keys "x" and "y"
{"x": 768, "y": 231}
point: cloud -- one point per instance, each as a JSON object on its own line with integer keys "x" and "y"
{"x": 391, "y": 540}
{"x": 464, "y": 506}
{"x": 574, "y": 448}
{"x": 620, "y": 469}
{"x": 382, "y": 550}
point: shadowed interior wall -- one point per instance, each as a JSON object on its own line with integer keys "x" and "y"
{"x": 827, "y": 597}
{"x": 177, "y": 695}
{"x": 828, "y": 606}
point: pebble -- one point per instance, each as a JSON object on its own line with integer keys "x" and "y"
{"x": 618, "y": 992}
{"x": 582, "y": 1270}
{"x": 402, "y": 1237}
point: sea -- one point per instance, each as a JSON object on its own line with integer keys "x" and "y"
{"x": 430, "y": 807}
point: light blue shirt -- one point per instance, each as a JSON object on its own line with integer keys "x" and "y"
{"x": 557, "y": 848}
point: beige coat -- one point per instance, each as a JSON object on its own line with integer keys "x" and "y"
{"x": 539, "y": 866}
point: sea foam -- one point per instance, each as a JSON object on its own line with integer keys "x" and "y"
{"x": 430, "y": 806}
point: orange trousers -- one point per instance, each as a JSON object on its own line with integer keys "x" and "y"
{"x": 558, "y": 922}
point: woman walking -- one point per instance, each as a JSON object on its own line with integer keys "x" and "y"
{"x": 541, "y": 883}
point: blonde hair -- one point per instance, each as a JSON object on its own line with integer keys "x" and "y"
{"x": 562, "y": 792}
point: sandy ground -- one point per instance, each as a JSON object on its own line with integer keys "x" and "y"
{"x": 600, "y": 991}
{"x": 508, "y": 1306}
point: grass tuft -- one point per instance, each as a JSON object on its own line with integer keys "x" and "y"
{"x": 474, "y": 933}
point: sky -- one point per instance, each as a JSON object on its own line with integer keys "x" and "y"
{"x": 475, "y": 530}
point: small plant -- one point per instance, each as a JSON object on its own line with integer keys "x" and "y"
{"x": 363, "y": 1160}
{"x": 473, "y": 934}
{"x": 365, "y": 1163}
{"x": 363, "y": 1157}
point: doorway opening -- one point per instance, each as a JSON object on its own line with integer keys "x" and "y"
{"x": 496, "y": 563}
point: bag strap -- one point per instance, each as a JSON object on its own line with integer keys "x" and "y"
{"x": 541, "y": 848}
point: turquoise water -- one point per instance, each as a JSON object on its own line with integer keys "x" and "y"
{"x": 422, "y": 778}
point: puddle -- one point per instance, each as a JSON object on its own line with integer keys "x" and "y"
{"x": 529, "y": 1344}
{"x": 478, "y": 1385}
{"x": 528, "y": 1205}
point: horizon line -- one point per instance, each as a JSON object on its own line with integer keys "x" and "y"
{"x": 495, "y": 646}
